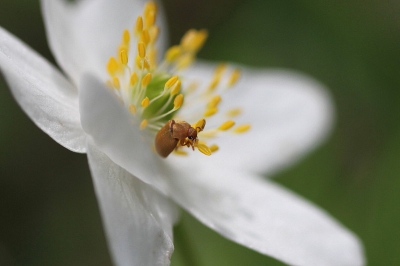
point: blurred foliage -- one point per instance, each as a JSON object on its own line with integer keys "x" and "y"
{"x": 48, "y": 207}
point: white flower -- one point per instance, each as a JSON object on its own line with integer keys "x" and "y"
{"x": 137, "y": 190}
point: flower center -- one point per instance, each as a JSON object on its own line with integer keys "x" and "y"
{"x": 154, "y": 93}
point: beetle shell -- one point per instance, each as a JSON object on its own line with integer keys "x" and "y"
{"x": 165, "y": 143}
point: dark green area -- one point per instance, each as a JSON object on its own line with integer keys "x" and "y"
{"x": 48, "y": 208}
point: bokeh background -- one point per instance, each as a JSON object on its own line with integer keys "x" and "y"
{"x": 49, "y": 214}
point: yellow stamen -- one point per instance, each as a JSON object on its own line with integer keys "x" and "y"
{"x": 150, "y": 18}
{"x": 210, "y": 112}
{"x": 152, "y": 56}
{"x": 145, "y": 102}
{"x": 242, "y": 128}
{"x": 123, "y": 56}
{"x": 145, "y": 37}
{"x": 172, "y": 53}
{"x": 141, "y": 50}
{"x": 133, "y": 79}
{"x": 193, "y": 40}
{"x": 184, "y": 61}
{"x": 188, "y": 38}
{"x": 199, "y": 126}
{"x": 146, "y": 80}
{"x": 226, "y": 125}
{"x": 154, "y": 31}
{"x": 178, "y": 101}
{"x": 200, "y": 39}
{"x": 143, "y": 124}
{"x": 180, "y": 152}
{"x": 176, "y": 89}
{"x": 126, "y": 38}
{"x": 234, "y": 77}
{"x": 138, "y": 25}
{"x": 234, "y": 112}
{"x": 150, "y": 7}
{"x": 171, "y": 82}
{"x": 214, "y": 148}
{"x": 146, "y": 64}
{"x": 220, "y": 69}
{"x": 204, "y": 149}
{"x": 214, "y": 83}
{"x": 214, "y": 101}
{"x": 116, "y": 83}
{"x": 132, "y": 109}
{"x": 112, "y": 66}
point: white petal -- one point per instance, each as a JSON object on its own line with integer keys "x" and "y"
{"x": 83, "y": 35}
{"x": 264, "y": 216}
{"x": 138, "y": 220}
{"x": 42, "y": 92}
{"x": 116, "y": 132}
{"x": 289, "y": 114}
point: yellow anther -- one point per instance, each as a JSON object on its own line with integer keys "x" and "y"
{"x": 152, "y": 56}
{"x": 171, "y": 82}
{"x": 214, "y": 83}
{"x": 199, "y": 126}
{"x": 143, "y": 124}
{"x": 214, "y": 101}
{"x": 188, "y": 39}
{"x": 214, "y": 148}
{"x": 178, "y": 101}
{"x": 200, "y": 39}
{"x": 172, "y": 53}
{"x": 209, "y": 133}
{"x": 193, "y": 40}
{"x": 177, "y": 88}
{"x": 145, "y": 102}
{"x": 153, "y": 32}
{"x": 192, "y": 87}
{"x": 234, "y": 77}
{"x": 139, "y": 25}
{"x": 132, "y": 109}
{"x": 220, "y": 69}
{"x": 204, "y": 149}
{"x": 145, "y": 37}
{"x": 146, "y": 80}
{"x": 242, "y": 128}
{"x": 138, "y": 62}
{"x": 210, "y": 112}
{"x": 226, "y": 125}
{"x": 123, "y": 56}
{"x": 149, "y": 7}
{"x": 141, "y": 50}
{"x": 234, "y": 112}
{"x": 126, "y": 38}
{"x": 146, "y": 64}
{"x": 150, "y": 18}
{"x": 116, "y": 83}
{"x": 133, "y": 79}
{"x": 180, "y": 152}
{"x": 185, "y": 61}
{"x": 112, "y": 66}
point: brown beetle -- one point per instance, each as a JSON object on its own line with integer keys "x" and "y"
{"x": 173, "y": 132}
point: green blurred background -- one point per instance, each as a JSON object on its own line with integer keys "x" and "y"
{"x": 49, "y": 214}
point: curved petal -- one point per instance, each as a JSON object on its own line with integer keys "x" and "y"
{"x": 42, "y": 92}
{"x": 116, "y": 132}
{"x": 138, "y": 220}
{"x": 263, "y": 216}
{"x": 289, "y": 114}
{"x": 83, "y": 35}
